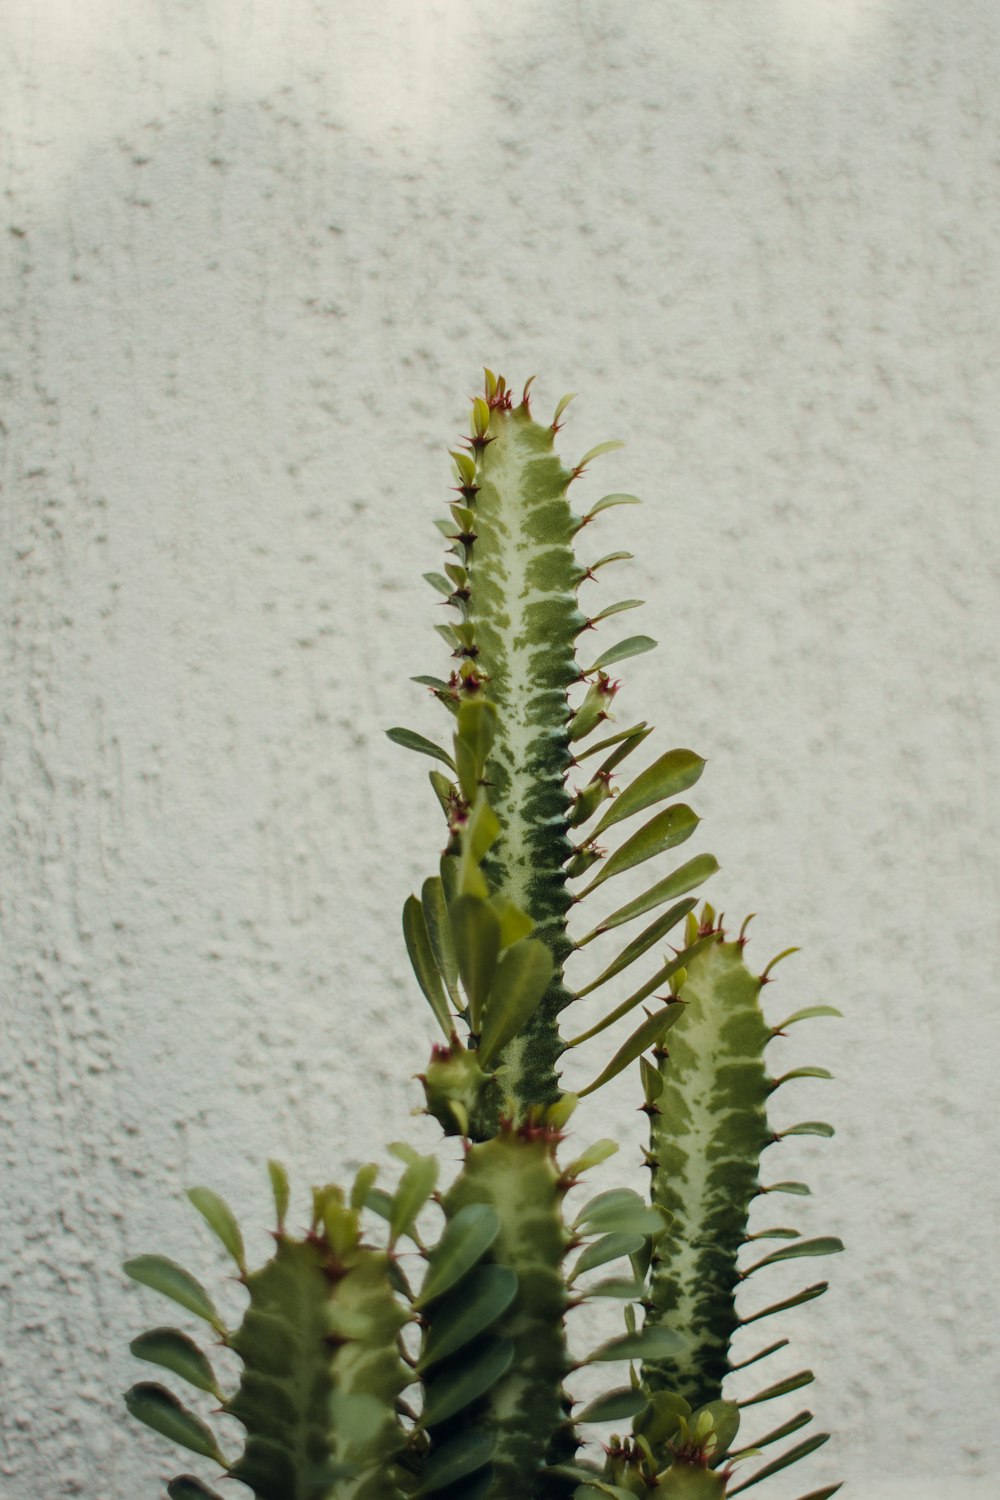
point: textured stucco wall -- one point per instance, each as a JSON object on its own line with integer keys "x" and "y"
{"x": 253, "y": 255}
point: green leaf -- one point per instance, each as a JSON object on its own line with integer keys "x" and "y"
{"x": 647, "y": 1344}
{"x": 486, "y": 1293}
{"x": 621, "y": 1211}
{"x": 673, "y": 772}
{"x": 476, "y": 930}
{"x": 592, "y": 453}
{"x": 610, "y": 1247}
{"x": 807, "y": 1127}
{"x": 188, "y": 1487}
{"x": 592, "y": 1157}
{"x": 620, "y": 1287}
{"x": 174, "y": 1351}
{"x": 824, "y": 1245}
{"x": 521, "y": 979}
{"x": 459, "y": 1456}
{"x": 633, "y": 645}
{"x": 725, "y": 1419}
{"x": 162, "y": 1411}
{"x": 754, "y": 1359}
{"x": 515, "y": 924}
{"x": 438, "y": 923}
{"x": 411, "y": 740}
{"x": 652, "y": 1081}
{"x": 465, "y": 1240}
{"x": 673, "y": 970}
{"x": 683, "y": 879}
{"x": 609, "y": 557}
{"x": 641, "y": 730}
{"x": 280, "y": 1191}
{"x": 644, "y": 1036}
{"x": 665, "y": 830}
{"x": 438, "y": 581}
{"x": 607, "y": 501}
{"x": 463, "y": 1381}
{"x": 364, "y": 1181}
{"x": 476, "y": 728}
{"x": 816, "y": 1290}
{"x": 379, "y": 1202}
{"x": 781, "y": 1388}
{"x": 797, "y": 1189}
{"x": 613, "y": 1406}
{"x": 638, "y": 946}
{"x": 794, "y": 1424}
{"x": 221, "y": 1221}
{"x": 802, "y": 1450}
{"x": 415, "y": 1187}
{"x": 807, "y": 1072}
{"x": 808, "y": 1014}
{"x": 561, "y": 407}
{"x": 421, "y": 952}
{"x": 171, "y": 1280}
{"x": 615, "y": 609}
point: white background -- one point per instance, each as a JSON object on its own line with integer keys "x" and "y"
{"x": 253, "y": 256}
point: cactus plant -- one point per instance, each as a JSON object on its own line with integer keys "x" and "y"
{"x": 356, "y": 1383}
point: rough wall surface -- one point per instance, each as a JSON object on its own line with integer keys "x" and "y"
{"x": 253, "y": 256}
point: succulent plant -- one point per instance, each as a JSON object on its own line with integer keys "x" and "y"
{"x": 356, "y": 1383}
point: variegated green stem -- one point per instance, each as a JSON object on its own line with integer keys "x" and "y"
{"x": 519, "y": 1279}
{"x": 708, "y": 1127}
{"x": 524, "y": 619}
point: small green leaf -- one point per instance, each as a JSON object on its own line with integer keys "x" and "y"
{"x": 808, "y": 1014}
{"x": 418, "y": 946}
{"x": 673, "y": 971}
{"x": 174, "y": 1351}
{"x": 435, "y": 907}
{"x": 561, "y": 407}
{"x": 754, "y": 1359}
{"x": 807, "y": 1295}
{"x": 653, "y": 1082}
{"x": 613, "y": 1406}
{"x": 685, "y": 878}
{"x": 621, "y": 1211}
{"x": 725, "y": 1419}
{"x": 593, "y": 1156}
{"x": 415, "y": 1187}
{"x": 798, "y": 1189}
{"x": 607, "y": 501}
{"x": 648, "y": 1343}
{"x": 673, "y": 772}
{"x": 476, "y": 930}
{"x": 620, "y": 1287}
{"x": 665, "y": 830}
{"x": 592, "y": 453}
{"x": 171, "y": 1280}
{"x": 364, "y": 1181}
{"x": 638, "y": 946}
{"x": 464, "y": 1242}
{"x": 379, "y": 1202}
{"x": 280, "y": 1191}
{"x": 221, "y": 1221}
{"x": 644, "y": 1036}
{"x": 484, "y": 1294}
{"x": 807, "y": 1072}
{"x": 188, "y": 1487}
{"x": 614, "y": 739}
{"x": 411, "y": 740}
{"x": 824, "y": 1245}
{"x": 609, "y": 557}
{"x": 794, "y": 1424}
{"x": 438, "y": 581}
{"x": 790, "y": 1457}
{"x": 521, "y": 979}
{"x": 808, "y": 1127}
{"x": 460, "y": 1455}
{"x": 161, "y": 1410}
{"x": 615, "y": 609}
{"x": 609, "y": 1247}
{"x": 476, "y": 728}
{"x": 781, "y": 1388}
{"x": 515, "y": 924}
{"x": 462, "y": 1381}
{"x": 635, "y": 645}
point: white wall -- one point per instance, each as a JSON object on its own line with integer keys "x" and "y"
{"x": 253, "y": 258}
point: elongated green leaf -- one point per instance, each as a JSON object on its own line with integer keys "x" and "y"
{"x": 592, "y": 453}
{"x": 774, "y": 1234}
{"x": 816, "y": 1290}
{"x": 476, "y": 930}
{"x": 610, "y": 1247}
{"x": 561, "y": 407}
{"x": 807, "y": 1127}
{"x": 593, "y": 1156}
{"x": 615, "y": 609}
{"x": 613, "y": 1406}
{"x": 781, "y": 1388}
{"x": 174, "y": 1351}
{"x": 484, "y": 1294}
{"x": 463, "y": 1381}
{"x": 794, "y": 1424}
{"x": 415, "y": 1187}
{"x": 618, "y": 1211}
{"x": 435, "y": 908}
{"x": 806, "y": 1072}
{"x": 620, "y": 752}
{"x": 824, "y": 1245}
{"x": 477, "y": 727}
{"x": 644, "y": 1036}
{"x": 421, "y": 952}
{"x": 754, "y": 1359}
{"x": 465, "y": 1240}
{"x": 171, "y": 1280}
{"x": 808, "y": 1014}
{"x": 683, "y": 879}
{"x": 280, "y": 1191}
{"x": 607, "y": 501}
{"x": 222, "y": 1221}
{"x": 620, "y": 1287}
{"x": 380, "y": 1202}
{"x": 515, "y": 924}
{"x": 634, "y": 645}
{"x": 521, "y": 980}
{"x": 609, "y": 557}
{"x": 613, "y": 739}
{"x": 641, "y": 944}
{"x": 459, "y": 1456}
{"x": 802, "y": 1450}
{"x": 647, "y": 1343}
{"x": 188, "y": 1487}
{"x": 664, "y": 831}
{"x": 797, "y": 1189}
{"x": 161, "y": 1410}
{"x": 440, "y": 582}
{"x": 364, "y": 1181}
{"x": 676, "y": 967}
{"x": 672, "y": 773}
